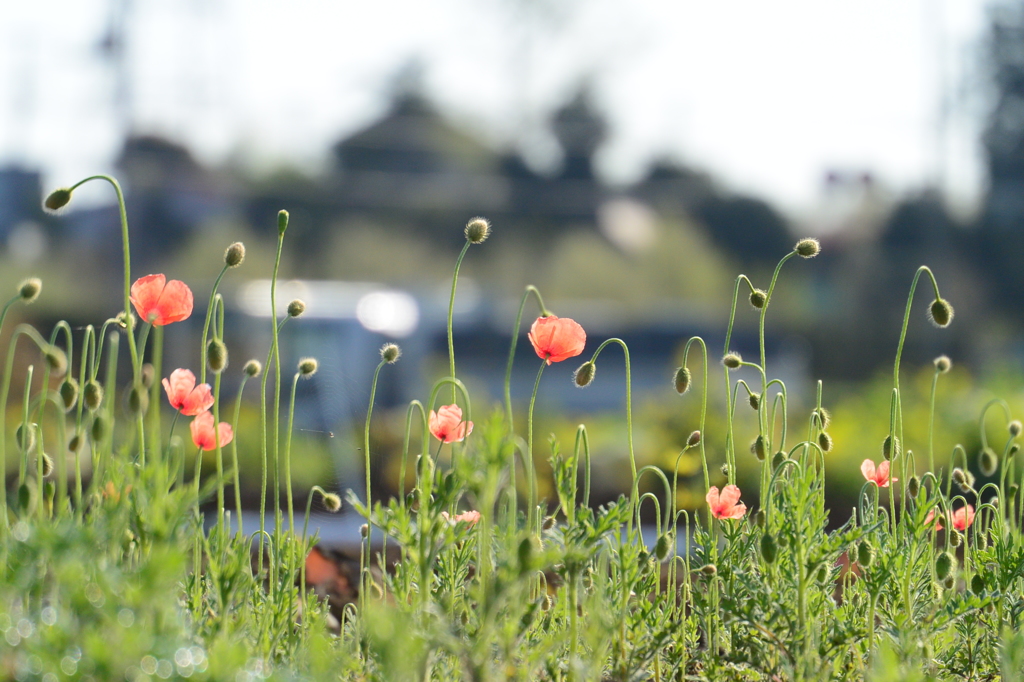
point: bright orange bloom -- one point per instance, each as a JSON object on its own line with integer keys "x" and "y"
{"x": 962, "y": 518}
{"x": 161, "y": 302}
{"x": 879, "y": 475}
{"x": 470, "y": 517}
{"x": 726, "y": 505}
{"x": 556, "y": 339}
{"x": 446, "y": 424}
{"x": 185, "y": 396}
{"x": 203, "y": 435}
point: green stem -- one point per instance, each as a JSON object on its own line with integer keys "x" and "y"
{"x": 530, "y": 475}
{"x": 451, "y": 309}
{"x": 369, "y": 506}
{"x": 234, "y": 454}
{"x": 206, "y": 325}
{"x": 512, "y": 349}
{"x": 288, "y": 455}
{"x": 272, "y": 358}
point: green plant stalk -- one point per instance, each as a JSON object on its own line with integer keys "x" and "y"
{"x": 730, "y": 448}
{"x": 288, "y": 455}
{"x": 405, "y": 446}
{"x": 451, "y": 311}
{"x": 364, "y": 569}
{"x": 206, "y": 325}
{"x": 272, "y": 358}
{"x": 530, "y": 474}
{"x": 512, "y": 348}
{"x": 629, "y": 416}
{"x": 25, "y": 429}
{"x": 20, "y": 330}
{"x": 218, "y": 334}
{"x": 154, "y": 426}
{"x": 234, "y": 454}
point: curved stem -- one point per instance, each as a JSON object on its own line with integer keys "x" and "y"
{"x": 530, "y": 474}
{"x": 206, "y": 325}
{"x": 512, "y": 349}
{"x": 629, "y": 412}
{"x": 234, "y": 454}
{"x": 451, "y": 310}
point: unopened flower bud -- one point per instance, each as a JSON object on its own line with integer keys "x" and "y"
{"x": 977, "y": 584}
{"x": 1014, "y": 428}
{"x": 528, "y": 548}
{"x": 92, "y": 395}
{"x": 940, "y": 312}
{"x": 100, "y": 427}
{"x": 758, "y": 298}
{"x": 725, "y": 470}
{"x": 138, "y": 400}
{"x": 123, "y": 319}
{"x": 693, "y": 440}
{"x": 943, "y": 364}
{"x": 147, "y": 375}
{"x": 364, "y": 530}
{"x": 759, "y": 448}
{"x": 308, "y": 367}
{"x": 760, "y": 518}
{"x": 296, "y": 308}
{"x": 709, "y": 570}
{"x": 584, "y": 375}
{"x": 549, "y": 523}
{"x": 732, "y": 360}
{"x": 332, "y": 502}
{"x": 56, "y": 361}
{"x": 754, "y": 400}
{"x": 955, "y": 539}
{"x": 865, "y": 553}
{"x": 769, "y": 548}
{"x": 914, "y": 486}
{"x": 29, "y": 289}
{"x": 822, "y": 417}
{"x": 390, "y": 353}
{"x": 778, "y": 458}
{"x": 478, "y": 230}
{"x": 216, "y": 355}
{"x": 949, "y": 583}
{"x": 807, "y": 248}
{"x": 988, "y": 462}
{"x": 252, "y": 368}
{"x": 943, "y": 565}
{"x": 25, "y": 437}
{"x": 282, "y": 221}
{"x": 824, "y": 441}
{"x": 47, "y": 462}
{"x": 75, "y": 444}
{"x": 57, "y": 199}
{"x": 662, "y": 547}
{"x": 888, "y": 449}
{"x": 234, "y": 255}
{"x": 69, "y": 393}
{"x": 682, "y": 380}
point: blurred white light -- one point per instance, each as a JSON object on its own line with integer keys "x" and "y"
{"x": 388, "y": 312}
{"x": 27, "y": 243}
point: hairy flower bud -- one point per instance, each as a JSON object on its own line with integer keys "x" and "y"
{"x": 57, "y": 199}
{"x": 308, "y": 367}
{"x": 824, "y": 441}
{"x": 709, "y": 570}
{"x": 390, "y": 353}
{"x": 69, "y": 393}
{"x": 759, "y": 448}
{"x": 528, "y": 549}
{"x": 724, "y": 469}
{"x": 693, "y": 440}
{"x": 940, "y": 312}
{"x": 807, "y": 248}
{"x": 977, "y": 584}
{"x": 47, "y": 463}
{"x": 296, "y": 308}
{"x": 760, "y": 518}
{"x": 865, "y": 553}
{"x": 147, "y": 375}
{"x": 988, "y": 462}
{"x": 28, "y": 290}
{"x": 216, "y": 355}
{"x": 332, "y": 502}
{"x": 234, "y": 255}
{"x": 478, "y": 230}
{"x": 584, "y": 375}
{"x": 758, "y": 297}
{"x": 662, "y": 547}
{"x": 769, "y": 548}
{"x": 682, "y": 380}
{"x": 955, "y": 539}
{"x": 364, "y": 530}
{"x": 889, "y": 450}
{"x": 25, "y": 437}
{"x": 822, "y": 417}
{"x": 75, "y": 444}
{"x": 914, "y": 486}
{"x": 732, "y": 360}
{"x": 252, "y": 368}
{"x": 943, "y": 364}
{"x": 138, "y": 400}
{"x": 1014, "y": 428}
{"x": 778, "y": 458}
{"x": 755, "y": 401}
{"x": 100, "y": 428}
{"x": 943, "y": 565}
{"x": 92, "y": 395}
{"x": 56, "y": 360}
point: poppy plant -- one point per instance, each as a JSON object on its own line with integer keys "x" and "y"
{"x": 161, "y": 302}
{"x": 470, "y": 517}
{"x": 557, "y": 338}
{"x": 446, "y": 424}
{"x": 203, "y": 435}
{"x": 726, "y": 505}
{"x": 879, "y": 475}
{"x": 185, "y": 396}
{"x": 962, "y": 518}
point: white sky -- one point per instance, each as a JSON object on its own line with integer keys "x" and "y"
{"x": 766, "y": 95}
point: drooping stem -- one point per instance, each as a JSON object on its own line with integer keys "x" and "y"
{"x": 512, "y": 348}
{"x": 206, "y": 325}
{"x": 451, "y": 311}
{"x": 369, "y": 504}
{"x": 272, "y": 358}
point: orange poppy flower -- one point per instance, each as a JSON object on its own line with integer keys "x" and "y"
{"x": 962, "y": 518}
{"x": 185, "y": 396}
{"x": 203, "y": 435}
{"x": 161, "y": 302}
{"x": 879, "y": 475}
{"x": 726, "y": 505}
{"x": 446, "y": 424}
{"x": 556, "y": 339}
{"x": 470, "y": 517}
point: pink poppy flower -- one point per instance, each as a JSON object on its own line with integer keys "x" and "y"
{"x": 203, "y": 435}
{"x": 879, "y": 475}
{"x": 962, "y": 518}
{"x": 726, "y": 505}
{"x": 470, "y": 517}
{"x": 446, "y": 424}
{"x": 185, "y": 396}
{"x": 556, "y": 339}
{"x": 161, "y": 302}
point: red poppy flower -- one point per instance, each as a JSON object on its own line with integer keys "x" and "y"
{"x": 203, "y": 435}
{"x": 726, "y": 505}
{"x": 161, "y": 302}
{"x": 962, "y": 518}
{"x": 879, "y": 475}
{"x": 556, "y": 339}
{"x": 185, "y": 396}
{"x": 470, "y": 517}
{"x": 446, "y": 424}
